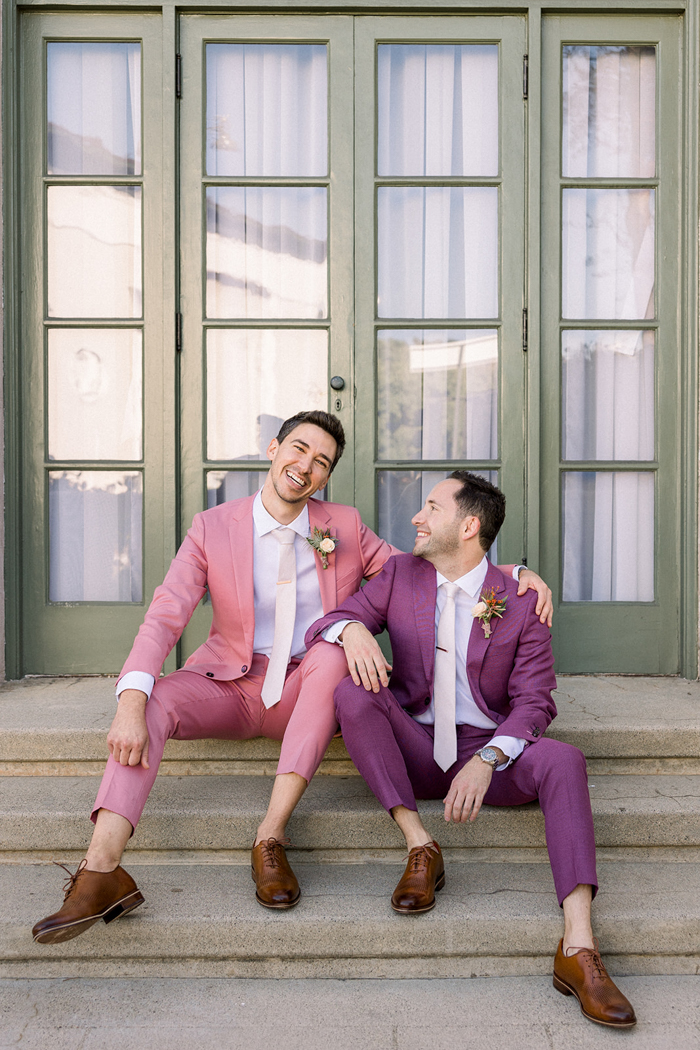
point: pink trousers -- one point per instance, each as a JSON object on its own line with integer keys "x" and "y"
{"x": 188, "y": 706}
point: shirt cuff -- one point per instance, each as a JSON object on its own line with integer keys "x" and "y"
{"x": 332, "y": 633}
{"x": 512, "y": 746}
{"x": 516, "y": 570}
{"x": 136, "y": 680}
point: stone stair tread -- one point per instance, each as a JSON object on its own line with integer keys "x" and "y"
{"x": 222, "y": 812}
{"x": 209, "y": 912}
{"x": 54, "y": 719}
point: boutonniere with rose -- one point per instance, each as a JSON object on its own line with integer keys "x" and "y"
{"x": 323, "y": 543}
{"x": 488, "y": 607}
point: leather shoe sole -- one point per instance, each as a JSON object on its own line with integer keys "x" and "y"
{"x": 68, "y": 930}
{"x": 405, "y": 910}
{"x": 282, "y": 905}
{"x": 566, "y": 989}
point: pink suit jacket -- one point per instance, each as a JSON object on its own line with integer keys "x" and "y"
{"x": 217, "y": 554}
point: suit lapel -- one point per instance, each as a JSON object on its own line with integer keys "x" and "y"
{"x": 478, "y": 642}
{"x": 241, "y": 539}
{"x": 319, "y": 518}
{"x": 424, "y": 597}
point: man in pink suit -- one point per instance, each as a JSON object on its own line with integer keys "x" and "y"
{"x": 252, "y": 677}
{"x": 464, "y": 714}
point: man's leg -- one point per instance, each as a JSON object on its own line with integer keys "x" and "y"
{"x": 309, "y": 725}
{"x": 555, "y": 773}
{"x": 305, "y": 718}
{"x": 394, "y": 754}
{"x": 184, "y": 705}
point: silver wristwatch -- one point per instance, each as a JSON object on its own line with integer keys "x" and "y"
{"x": 489, "y": 756}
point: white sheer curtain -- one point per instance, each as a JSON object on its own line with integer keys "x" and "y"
{"x": 608, "y": 271}
{"x": 267, "y": 109}
{"x": 94, "y": 108}
{"x": 438, "y": 109}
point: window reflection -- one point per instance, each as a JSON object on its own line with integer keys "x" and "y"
{"x": 437, "y": 394}
{"x": 93, "y": 108}
{"x": 95, "y": 536}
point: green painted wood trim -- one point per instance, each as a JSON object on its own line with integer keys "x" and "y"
{"x": 689, "y": 375}
{"x": 532, "y": 522}
{"x": 13, "y": 559}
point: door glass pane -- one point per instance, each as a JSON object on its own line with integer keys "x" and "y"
{"x": 438, "y": 251}
{"x": 93, "y": 108}
{"x": 94, "y": 251}
{"x": 95, "y": 536}
{"x": 224, "y": 485}
{"x": 608, "y": 253}
{"x": 267, "y": 109}
{"x": 402, "y": 493}
{"x": 437, "y": 394}
{"x": 95, "y": 394}
{"x": 608, "y": 395}
{"x": 608, "y": 536}
{"x": 268, "y": 375}
{"x": 267, "y": 252}
{"x": 609, "y": 111}
{"x": 438, "y": 109}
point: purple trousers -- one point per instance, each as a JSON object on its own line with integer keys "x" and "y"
{"x": 394, "y": 754}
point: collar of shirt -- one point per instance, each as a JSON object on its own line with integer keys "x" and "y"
{"x": 264, "y": 522}
{"x": 472, "y": 581}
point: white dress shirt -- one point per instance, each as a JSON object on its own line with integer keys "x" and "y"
{"x": 265, "y": 564}
{"x": 466, "y": 710}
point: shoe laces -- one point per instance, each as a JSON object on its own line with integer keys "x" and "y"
{"x": 419, "y": 856}
{"x": 592, "y": 956}
{"x": 270, "y": 850}
{"x": 72, "y": 877}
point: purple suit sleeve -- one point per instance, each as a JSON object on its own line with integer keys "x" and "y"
{"x": 368, "y": 605}
{"x": 531, "y": 681}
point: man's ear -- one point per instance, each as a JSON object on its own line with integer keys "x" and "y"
{"x": 470, "y": 528}
{"x": 272, "y": 449}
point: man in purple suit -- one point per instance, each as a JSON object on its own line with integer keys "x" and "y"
{"x": 463, "y": 716}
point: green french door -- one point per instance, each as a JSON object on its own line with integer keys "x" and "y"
{"x": 96, "y": 412}
{"x": 610, "y": 536}
{"x": 380, "y": 269}
{"x": 462, "y": 235}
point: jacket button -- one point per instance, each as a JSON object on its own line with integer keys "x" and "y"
{"x": 244, "y": 668}
{"x": 427, "y": 701}
{"x": 536, "y": 731}
{"x": 210, "y": 674}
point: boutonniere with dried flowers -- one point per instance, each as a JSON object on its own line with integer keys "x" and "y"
{"x": 489, "y": 605}
{"x": 323, "y": 543}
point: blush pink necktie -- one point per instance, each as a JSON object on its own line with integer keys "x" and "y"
{"x": 444, "y": 689}
{"x": 285, "y": 614}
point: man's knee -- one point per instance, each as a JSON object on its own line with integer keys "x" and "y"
{"x": 354, "y": 700}
{"x": 560, "y": 759}
{"x": 325, "y": 659}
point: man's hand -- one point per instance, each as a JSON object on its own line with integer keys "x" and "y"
{"x": 366, "y": 661}
{"x": 128, "y": 736}
{"x": 529, "y": 580}
{"x": 467, "y": 790}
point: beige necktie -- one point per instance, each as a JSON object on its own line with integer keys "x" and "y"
{"x": 444, "y": 697}
{"x": 285, "y": 614}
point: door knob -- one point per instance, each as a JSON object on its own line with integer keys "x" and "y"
{"x": 337, "y": 383}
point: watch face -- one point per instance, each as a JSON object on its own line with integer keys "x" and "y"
{"x": 487, "y": 754}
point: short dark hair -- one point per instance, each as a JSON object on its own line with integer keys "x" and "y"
{"x": 482, "y": 499}
{"x": 324, "y": 420}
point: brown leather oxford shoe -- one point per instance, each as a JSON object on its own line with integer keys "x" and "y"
{"x": 424, "y": 874}
{"x": 584, "y": 975}
{"x": 88, "y": 897}
{"x": 276, "y": 884}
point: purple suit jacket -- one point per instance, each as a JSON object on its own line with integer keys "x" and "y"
{"x": 511, "y": 674}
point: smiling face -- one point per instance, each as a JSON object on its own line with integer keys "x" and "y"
{"x": 438, "y": 523}
{"x": 300, "y": 466}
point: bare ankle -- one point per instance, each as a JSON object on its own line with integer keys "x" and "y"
{"x": 100, "y": 862}
{"x": 272, "y": 832}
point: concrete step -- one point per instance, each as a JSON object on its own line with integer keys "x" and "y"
{"x": 57, "y": 726}
{"x": 222, "y": 813}
{"x": 490, "y": 920}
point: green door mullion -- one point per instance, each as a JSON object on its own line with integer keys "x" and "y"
{"x": 623, "y": 637}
